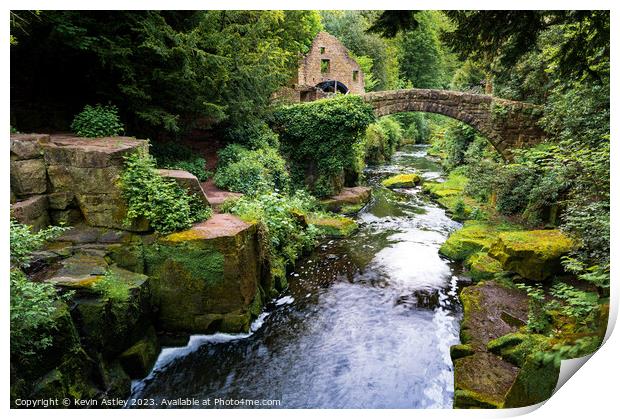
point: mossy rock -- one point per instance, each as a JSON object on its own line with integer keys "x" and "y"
{"x": 473, "y": 237}
{"x": 460, "y": 351}
{"x": 138, "y": 360}
{"x": 516, "y": 347}
{"x": 348, "y": 199}
{"x": 534, "y": 384}
{"x": 334, "y": 226}
{"x": 202, "y": 274}
{"x": 453, "y": 185}
{"x": 482, "y": 380}
{"x": 534, "y": 254}
{"x": 405, "y": 180}
{"x": 482, "y": 266}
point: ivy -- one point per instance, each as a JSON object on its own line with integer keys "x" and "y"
{"x": 319, "y": 138}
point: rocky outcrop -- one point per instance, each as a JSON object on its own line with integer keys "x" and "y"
{"x": 494, "y": 366}
{"x": 534, "y": 254}
{"x": 89, "y": 168}
{"x": 406, "y": 180}
{"x": 349, "y": 200}
{"x": 206, "y": 278}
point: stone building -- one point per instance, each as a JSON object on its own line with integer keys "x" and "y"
{"x": 326, "y": 68}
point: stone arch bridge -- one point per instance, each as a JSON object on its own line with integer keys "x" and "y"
{"x": 507, "y": 124}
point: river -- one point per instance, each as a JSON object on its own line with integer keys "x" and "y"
{"x": 367, "y": 321}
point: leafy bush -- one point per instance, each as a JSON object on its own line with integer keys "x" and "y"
{"x": 162, "y": 201}
{"x": 251, "y": 171}
{"x": 253, "y": 135}
{"x": 279, "y": 216}
{"x": 538, "y": 320}
{"x": 381, "y": 140}
{"x": 97, "y": 121}
{"x": 176, "y": 156}
{"x": 318, "y": 138}
{"x": 32, "y": 303}
{"x": 24, "y": 241}
{"x": 32, "y": 323}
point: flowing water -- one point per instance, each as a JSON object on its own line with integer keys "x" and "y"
{"x": 367, "y": 321}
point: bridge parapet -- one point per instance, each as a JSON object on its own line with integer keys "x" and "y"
{"x": 507, "y": 124}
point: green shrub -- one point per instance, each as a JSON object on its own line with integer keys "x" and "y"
{"x": 162, "y": 201}
{"x": 374, "y": 143}
{"x": 32, "y": 323}
{"x": 281, "y": 218}
{"x": 251, "y": 171}
{"x": 97, "y": 121}
{"x": 253, "y": 135}
{"x": 24, "y": 241}
{"x": 318, "y": 138}
{"x": 32, "y": 303}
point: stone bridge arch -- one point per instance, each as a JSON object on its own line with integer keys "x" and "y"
{"x": 507, "y": 124}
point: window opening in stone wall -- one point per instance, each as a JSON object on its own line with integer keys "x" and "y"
{"x": 324, "y": 66}
{"x": 322, "y": 50}
{"x": 355, "y": 75}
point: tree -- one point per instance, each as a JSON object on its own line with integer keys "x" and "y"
{"x": 167, "y": 71}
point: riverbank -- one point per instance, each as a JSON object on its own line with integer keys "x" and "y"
{"x": 523, "y": 313}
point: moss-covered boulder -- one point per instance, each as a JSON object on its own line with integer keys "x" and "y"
{"x": 534, "y": 254}
{"x": 482, "y": 380}
{"x": 138, "y": 360}
{"x": 516, "y": 347}
{"x": 473, "y": 237}
{"x": 349, "y": 200}
{"x": 535, "y": 383}
{"x": 405, "y": 180}
{"x": 206, "y": 278}
{"x": 481, "y": 266}
{"x": 335, "y": 227}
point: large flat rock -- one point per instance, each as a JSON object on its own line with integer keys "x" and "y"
{"x": 32, "y": 211}
{"x": 90, "y": 152}
{"x": 352, "y": 196}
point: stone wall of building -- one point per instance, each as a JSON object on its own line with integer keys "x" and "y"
{"x": 341, "y": 65}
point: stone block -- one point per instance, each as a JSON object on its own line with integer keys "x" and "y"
{"x": 27, "y": 146}
{"x": 187, "y": 181}
{"x": 91, "y": 152}
{"x": 200, "y": 275}
{"x": 32, "y": 211}
{"x": 28, "y": 177}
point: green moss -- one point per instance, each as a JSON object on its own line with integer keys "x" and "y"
{"x": 405, "y": 180}
{"x": 470, "y": 299}
{"x": 533, "y": 254}
{"x": 460, "y": 351}
{"x": 467, "y": 399}
{"x": 454, "y": 185}
{"x": 352, "y": 208}
{"x": 535, "y": 383}
{"x": 482, "y": 266}
{"x": 473, "y": 237}
{"x": 516, "y": 347}
{"x": 335, "y": 226}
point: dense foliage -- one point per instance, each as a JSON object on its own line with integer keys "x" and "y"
{"x": 168, "y": 71}
{"x": 285, "y": 233}
{"x": 251, "y": 171}
{"x": 97, "y": 121}
{"x": 381, "y": 140}
{"x": 33, "y": 304}
{"x": 319, "y": 139}
{"x": 165, "y": 204}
